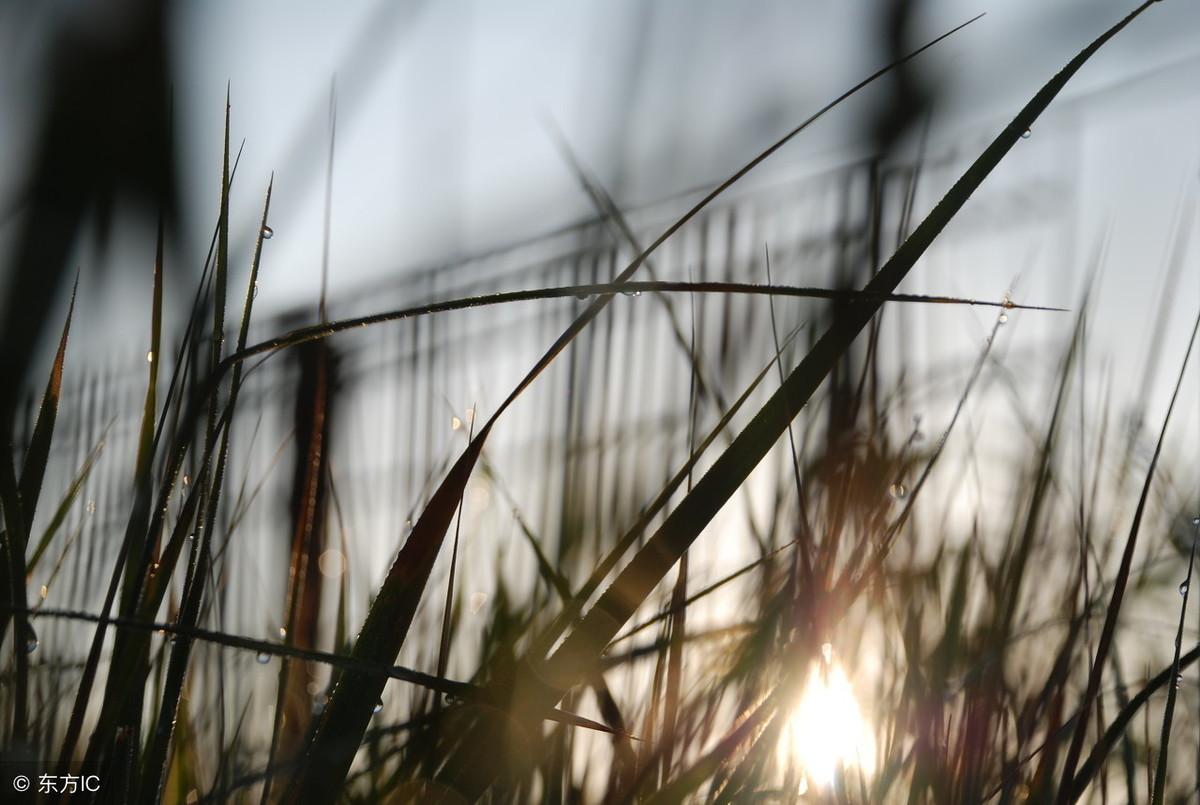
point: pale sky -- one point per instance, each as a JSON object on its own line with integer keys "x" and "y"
{"x": 442, "y": 144}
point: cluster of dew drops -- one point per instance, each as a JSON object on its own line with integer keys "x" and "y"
{"x": 1184, "y": 587}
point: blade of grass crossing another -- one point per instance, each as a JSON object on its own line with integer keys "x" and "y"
{"x": 349, "y": 710}
{"x": 537, "y": 690}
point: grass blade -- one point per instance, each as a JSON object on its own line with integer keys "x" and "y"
{"x": 572, "y": 663}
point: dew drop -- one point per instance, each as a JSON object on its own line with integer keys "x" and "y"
{"x": 187, "y": 479}
{"x": 1196, "y": 521}
{"x": 267, "y": 233}
{"x": 1178, "y": 681}
{"x": 408, "y": 523}
{"x": 631, "y": 293}
{"x": 378, "y": 706}
{"x": 31, "y": 639}
{"x": 254, "y": 292}
{"x": 283, "y": 633}
{"x": 477, "y": 602}
{"x": 91, "y": 507}
{"x": 582, "y": 296}
{"x": 193, "y": 796}
{"x": 898, "y": 491}
{"x": 45, "y": 591}
{"x": 263, "y": 658}
{"x": 150, "y": 356}
{"x": 1025, "y": 135}
{"x": 1002, "y": 318}
{"x": 318, "y": 705}
{"x": 331, "y": 563}
{"x": 1183, "y": 587}
{"x": 455, "y": 423}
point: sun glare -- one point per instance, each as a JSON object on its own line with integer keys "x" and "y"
{"x": 827, "y": 732}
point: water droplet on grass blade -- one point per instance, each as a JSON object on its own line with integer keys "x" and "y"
{"x": 1178, "y": 681}
{"x": 1183, "y": 587}
{"x": 331, "y": 563}
{"x": 267, "y": 233}
{"x": 283, "y": 633}
{"x": 1002, "y": 318}
{"x": 150, "y": 356}
{"x": 31, "y": 639}
{"x": 45, "y": 591}
{"x": 477, "y": 602}
{"x": 91, "y": 507}
{"x": 455, "y": 423}
{"x": 898, "y": 491}
{"x": 263, "y": 658}
{"x": 1025, "y": 135}
{"x": 378, "y": 706}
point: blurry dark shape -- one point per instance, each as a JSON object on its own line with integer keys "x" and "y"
{"x": 315, "y": 392}
{"x": 910, "y": 98}
{"x": 104, "y": 133}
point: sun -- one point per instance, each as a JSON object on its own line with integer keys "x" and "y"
{"x": 826, "y": 732}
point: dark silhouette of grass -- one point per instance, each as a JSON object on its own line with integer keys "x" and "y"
{"x": 954, "y": 723}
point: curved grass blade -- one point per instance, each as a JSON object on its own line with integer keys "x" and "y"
{"x": 1119, "y": 588}
{"x": 537, "y": 690}
{"x": 345, "y": 719}
{"x": 1160, "y": 773}
{"x": 1118, "y": 594}
{"x": 20, "y": 501}
{"x": 605, "y": 291}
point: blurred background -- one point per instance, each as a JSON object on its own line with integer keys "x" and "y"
{"x": 413, "y": 153}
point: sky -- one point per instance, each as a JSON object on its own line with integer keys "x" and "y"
{"x": 445, "y": 112}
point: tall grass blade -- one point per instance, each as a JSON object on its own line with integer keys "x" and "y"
{"x": 20, "y": 501}
{"x": 346, "y": 717}
{"x": 1107, "y": 632}
{"x": 536, "y": 691}
{"x": 33, "y": 472}
{"x": 1164, "y": 743}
